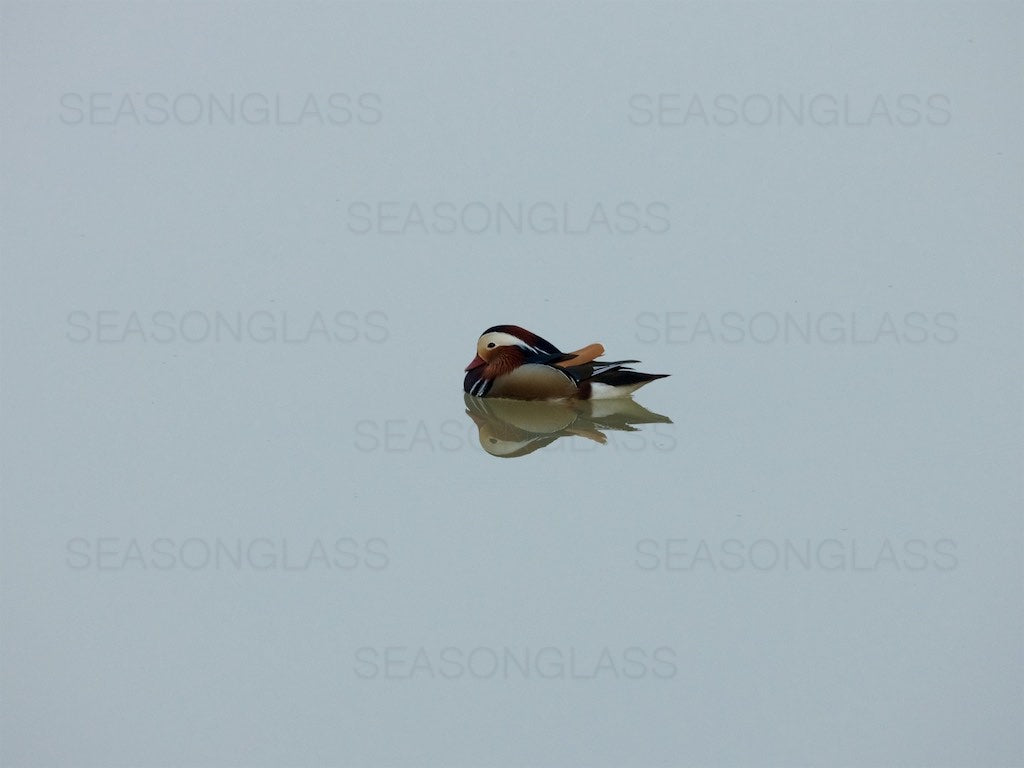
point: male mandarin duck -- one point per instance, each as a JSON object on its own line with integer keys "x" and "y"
{"x": 512, "y": 362}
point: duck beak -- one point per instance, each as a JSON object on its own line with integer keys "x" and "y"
{"x": 477, "y": 362}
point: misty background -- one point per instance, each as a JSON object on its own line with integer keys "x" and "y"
{"x": 247, "y": 252}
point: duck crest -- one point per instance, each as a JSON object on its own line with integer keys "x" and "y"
{"x": 529, "y": 337}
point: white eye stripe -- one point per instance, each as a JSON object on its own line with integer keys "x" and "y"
{"x": 501, "y": 339}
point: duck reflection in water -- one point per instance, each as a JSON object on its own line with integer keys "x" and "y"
{"x": 513, "y": 428}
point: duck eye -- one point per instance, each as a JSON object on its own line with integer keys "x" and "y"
{"x": 491, "y": 345}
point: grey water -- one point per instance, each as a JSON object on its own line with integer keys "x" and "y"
{"x": 249, "y": 516}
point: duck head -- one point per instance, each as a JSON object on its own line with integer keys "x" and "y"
{"x": 500, "y": 339}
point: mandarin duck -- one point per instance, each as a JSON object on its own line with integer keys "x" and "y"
{"x": 515, "y": 363}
